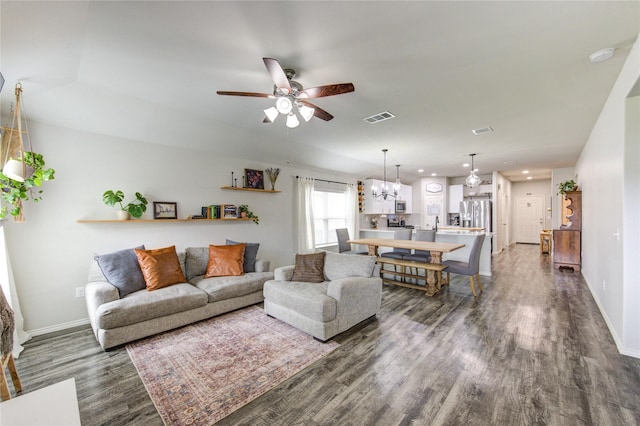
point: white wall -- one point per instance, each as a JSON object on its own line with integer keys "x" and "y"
{"x": 601, "y": 175}
{"x": 50, "y": 252}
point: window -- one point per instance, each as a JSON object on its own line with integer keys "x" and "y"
{"x": 329, "y": 212}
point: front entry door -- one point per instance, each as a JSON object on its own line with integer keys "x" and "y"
{"x": 529, "y": 219}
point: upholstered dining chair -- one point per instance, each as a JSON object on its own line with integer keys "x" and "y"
{"x": 422, "y": 255}
{"x": 7, "y": 325}
{"x": 399, "y": 253}
{"x": 345, "y": 247}
{"x": 471, "y": 268}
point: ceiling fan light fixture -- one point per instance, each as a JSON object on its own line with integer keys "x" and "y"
{"x": 271, "y": 113}
{"x": 284, "y": 105}
{"x": 292, "y": 121}
{"x": 306, "y": 112}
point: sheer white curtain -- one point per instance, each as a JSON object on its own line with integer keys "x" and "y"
{"x": 304, "y": 214}
{"x": 8, "y": 286}
{"x": 351, "y": 202}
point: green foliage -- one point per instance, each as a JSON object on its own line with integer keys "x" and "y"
{"x": 567, "y": 186}
{"x": 14, "y": 192}
{"x": 135, "y": 208}
{"x": 245, "y": 208}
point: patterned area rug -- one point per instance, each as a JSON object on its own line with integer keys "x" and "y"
{"x": 198, "y": 374}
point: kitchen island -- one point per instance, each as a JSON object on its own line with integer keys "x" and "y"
{"x": 458, "y": 235}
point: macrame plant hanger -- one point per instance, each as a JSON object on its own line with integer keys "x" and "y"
{"x": 12, "y": 147}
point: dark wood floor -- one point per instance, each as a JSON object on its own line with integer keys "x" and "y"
{"x": 532, "y": 350}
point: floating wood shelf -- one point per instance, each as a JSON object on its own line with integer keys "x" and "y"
{"x": 235, "y": 188}
{"x": 161, "y": 220}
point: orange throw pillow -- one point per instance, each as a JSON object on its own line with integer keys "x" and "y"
{"x": 160, "y": 267}
{"x": 225, "y": 260}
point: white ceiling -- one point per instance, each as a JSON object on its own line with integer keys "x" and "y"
{"x": 150, "y": 70}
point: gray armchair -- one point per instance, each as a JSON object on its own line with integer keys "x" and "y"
{"x": 350, "y": 293}
{"x": 471, "y": 268}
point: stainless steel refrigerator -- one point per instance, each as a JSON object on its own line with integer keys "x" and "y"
{"x": 476, "y": 214}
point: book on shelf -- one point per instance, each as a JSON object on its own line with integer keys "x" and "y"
{"x": 229, "y": 211}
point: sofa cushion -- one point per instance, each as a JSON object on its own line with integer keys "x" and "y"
{"x": 338, "y": 266}
{"x": 308, "y": 299}
{"x": 250, "y": 255}
{"x": 308, "y": 267}
{"x": 196, "y": 260}
{"x": 145, "y": 305}
{"x": 222, "y": 288}
{"x": 122, "y": 270}
{"x": 160, "y": 267}
{"x": 225, "y": 260}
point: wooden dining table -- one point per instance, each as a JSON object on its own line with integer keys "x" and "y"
{"x": 433, "y": 283}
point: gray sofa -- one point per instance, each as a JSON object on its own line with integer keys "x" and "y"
{"x": 350, "y": 293}
{"x": 143, "y": 313}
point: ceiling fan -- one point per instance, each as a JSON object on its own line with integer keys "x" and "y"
{"x": 291, "y": 96}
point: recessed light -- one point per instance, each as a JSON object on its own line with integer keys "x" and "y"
{"x": 529, "y": 177}
{"x": 434, "y": 174}
{"x": 420, "y": 170}
{"x": 601, "y": 55}
{"x": 525, "y": 172}
{"x": 466, "y": 165}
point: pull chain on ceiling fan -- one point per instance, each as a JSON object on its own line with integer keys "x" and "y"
{"x": 291, "y": 97}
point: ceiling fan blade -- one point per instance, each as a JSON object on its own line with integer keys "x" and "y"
{"x": 266, "y": 120}
{"x": 317, "y": 111}
{"x": 252, "y": 94}
{"x": 328, "y": 90}
{"x": 277, "y": 74}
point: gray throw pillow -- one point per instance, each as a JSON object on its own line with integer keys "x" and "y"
{"x": 250, "y": 255}
{"x": 122, "y": 270}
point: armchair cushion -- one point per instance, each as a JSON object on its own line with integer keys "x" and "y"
{"x": 338, "y": 266}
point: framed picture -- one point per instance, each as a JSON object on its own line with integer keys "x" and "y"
{"x": 165, "y": 210}
{"x": 254, "y": 178}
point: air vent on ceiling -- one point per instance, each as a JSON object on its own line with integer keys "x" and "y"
{"x": 386, "y": 115}
{"x": 482, "y": 130}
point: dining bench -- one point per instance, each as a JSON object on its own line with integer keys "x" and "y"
{"x": 411, "y": 264}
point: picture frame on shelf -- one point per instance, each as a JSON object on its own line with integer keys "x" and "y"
{"x": 254, "y": 178}
{"x": 165, "y": 210}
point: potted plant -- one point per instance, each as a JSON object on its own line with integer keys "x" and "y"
{"x": 567, "y": 186}
{"x": 245, "y": 212}
{"x": 135, "y": 208}
{"x": 14, "y": 191}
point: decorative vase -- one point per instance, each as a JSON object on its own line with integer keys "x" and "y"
{"x": 122, "y": 215}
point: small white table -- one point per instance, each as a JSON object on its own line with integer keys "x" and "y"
{"x": 53, "y": 405}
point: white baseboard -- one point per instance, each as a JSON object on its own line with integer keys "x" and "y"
{"x": 621, "y": 348}
{"x": 58, "y": 327}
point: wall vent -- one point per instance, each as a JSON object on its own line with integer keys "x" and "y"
{"x": 482, "y": 130}
{"x": 385, "y": 115}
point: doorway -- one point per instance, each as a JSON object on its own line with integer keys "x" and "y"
{"x": 529, "y": 219}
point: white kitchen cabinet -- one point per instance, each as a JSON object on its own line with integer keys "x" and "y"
{"x": 407, "y": 193}
{"x": 456, "y": 194}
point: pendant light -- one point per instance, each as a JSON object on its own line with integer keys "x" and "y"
{"x": 397, "y": 185}
{"x": 473, "y": 180}
{"x": 383, "y": 191}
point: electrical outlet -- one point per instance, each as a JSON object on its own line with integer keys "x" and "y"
{"x": 79, "y": 292}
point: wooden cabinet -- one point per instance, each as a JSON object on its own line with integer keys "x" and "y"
{"x": 566, "y": 248}
{"x": 568, "y": 239}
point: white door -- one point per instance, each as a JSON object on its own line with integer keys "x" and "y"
{"x": 529, "y": 219}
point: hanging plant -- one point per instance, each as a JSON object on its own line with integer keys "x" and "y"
{"x": 14, "y": 192}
